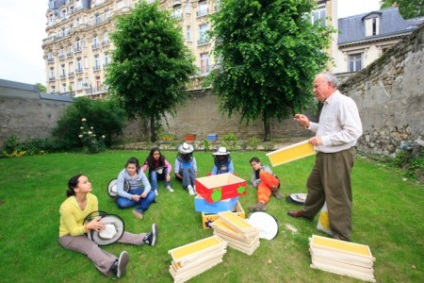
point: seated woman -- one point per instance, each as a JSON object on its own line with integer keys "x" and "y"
{"x": 140, "y": 193}
{"x": 159, "y": 169}
{"x": 186, "y": 167}
{"x": 222, "y": 162}
{"x": 73, "y": 233}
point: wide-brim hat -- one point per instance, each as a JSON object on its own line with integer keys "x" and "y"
{"x": 112, "y": 187}
{"x": 221, "y": 151}
{"x": 185, "y": 148}
{"x": 266, "y": 224}
{"x": 113, "y": 231}
{"x": 297, "y": 198}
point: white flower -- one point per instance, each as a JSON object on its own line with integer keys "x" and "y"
{"x": 80, "y": 136}
{"x": 89, "y": 132}
{"x": 82, "y": 128}
{"x": 103, "y": 136}
{"x": 92, "y": 128}
{"x": 83, "y": 120}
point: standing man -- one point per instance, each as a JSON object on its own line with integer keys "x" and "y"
{"x": 337, "y": 132}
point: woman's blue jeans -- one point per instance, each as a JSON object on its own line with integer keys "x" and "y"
{"x": 143, "y": 204}
{"x": 155, "y": 177}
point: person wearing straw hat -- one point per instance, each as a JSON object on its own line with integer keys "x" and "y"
{"x": 186, "y": 167}
{"x": 266, "y": 182}
{"x": 222, "y": 162}
{"x": 80, "y": 202}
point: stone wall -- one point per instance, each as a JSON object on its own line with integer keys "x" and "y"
{"x": 27, "y": 113}
{"x": 390, "y": 97}
{"x": 201, "y": 116}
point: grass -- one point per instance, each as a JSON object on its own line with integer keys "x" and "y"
{"x": 387, "y": 216}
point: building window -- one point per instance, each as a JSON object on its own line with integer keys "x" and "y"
{"x": 97, "y": 19}
{"x": 63, "y": 75}
{"x": 51, "y": 74}
{"x": 53, "y": 89}
{"x": 106, "y": 60}
{"x": 203, "y": 36}
{"x": 96, "y": 63}
{"x": 188, "y": 33}
{"x": 177, "y": 12}
{"x": 372, "y": 26}
{"x": 79, "y": 65}
{"x": 202, "y": 8}
{"x": 187, "y": 7}
{"x": 95, "y": 41}
{"x": 79, "y": 84}
{"x": 204, "y": 64}
{"x": 355, "y": 62}
{"x": 106, "y": 38}
{"x": 318, "y": 15}
{"x": 63, "y": 90}
{"x": 78, "y": 45}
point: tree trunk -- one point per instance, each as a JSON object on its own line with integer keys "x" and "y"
{"x": 153, "y": 136}
{"x": 267, "y": 127}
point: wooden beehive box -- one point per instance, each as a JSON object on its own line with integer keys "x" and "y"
{"x": 208, "y": 218}
{"x": 291, "y": 153}
{"x": 220, "y": 187}
{"x": 201, "y": 205}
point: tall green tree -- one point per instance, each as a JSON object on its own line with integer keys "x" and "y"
{"x": 269, "y": 52}
{"x": 407, "y": 8}
{"x": 150, "y": 64}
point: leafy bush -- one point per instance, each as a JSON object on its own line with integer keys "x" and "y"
{"x": 253, "y": 142}
{"x": 106, "y": 116}
{"x": 268, "y": 146}
{"x": 91, "y": 142}
{"x": 230, "y": 141}
{"x": 15, "y": 148}
{"x": 206, "y": 145}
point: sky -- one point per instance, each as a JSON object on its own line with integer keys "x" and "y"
{"x": 22, "y": 30}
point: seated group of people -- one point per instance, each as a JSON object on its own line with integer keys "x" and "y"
{"x": 141, "y": 192}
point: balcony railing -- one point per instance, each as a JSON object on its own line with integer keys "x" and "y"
{"x": 63, "y": 76}
{"x": 78, "y": 49}
{"x": 95, "y": 46}
{"x": 52, "y": 79}
{"x": 203, "y": 41}
{"x": 70, "y": 74}
{"x": 96, "y": 68}
{"x": 105, "y": 43}
{"x": 202, "y": 12}
{"x": 79, "y": 71}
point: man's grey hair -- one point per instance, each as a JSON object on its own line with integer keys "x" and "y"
{"x": 329, "y": 77}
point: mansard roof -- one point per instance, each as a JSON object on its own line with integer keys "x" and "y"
{"x": 352, "y": 29}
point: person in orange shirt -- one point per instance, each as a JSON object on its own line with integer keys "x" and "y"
{"x": 266, "y": 182}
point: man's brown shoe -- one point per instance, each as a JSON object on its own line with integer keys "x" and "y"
{"x": 298, "y": 213}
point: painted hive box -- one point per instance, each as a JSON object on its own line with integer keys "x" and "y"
{"x": 220, "y": 187}
{"x": 291, "y": 153}
{"x": 201, "y": 205}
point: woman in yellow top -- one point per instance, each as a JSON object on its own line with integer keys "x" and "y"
{"x": 73, "y": 233}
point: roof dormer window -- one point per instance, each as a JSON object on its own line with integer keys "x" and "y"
{"x": 372, "y": 24}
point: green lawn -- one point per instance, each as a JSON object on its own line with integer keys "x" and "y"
{"x": 387, "y": 216}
